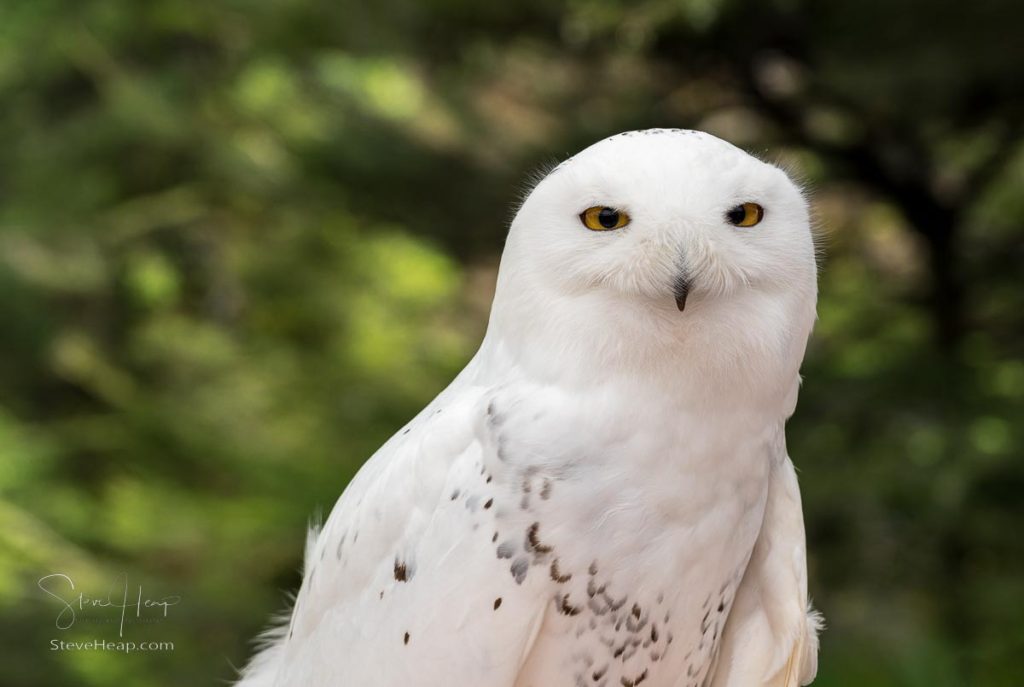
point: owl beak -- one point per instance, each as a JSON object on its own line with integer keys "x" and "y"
{"x": 681, "y": 289}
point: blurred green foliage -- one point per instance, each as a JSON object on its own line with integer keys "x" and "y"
{"x": 242, "y": 242}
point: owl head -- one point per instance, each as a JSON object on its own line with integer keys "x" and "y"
{"x": 661, "y": 246}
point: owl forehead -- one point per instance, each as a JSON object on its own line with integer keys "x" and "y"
{"x": 663, "y": 151}
{"x": 667, "y": 164}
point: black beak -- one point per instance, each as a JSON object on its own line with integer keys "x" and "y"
{"x": 681, "y": 289}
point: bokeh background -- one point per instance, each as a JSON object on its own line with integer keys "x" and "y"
{"x": 242, "y": 242}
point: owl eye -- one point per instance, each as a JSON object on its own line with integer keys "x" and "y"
{"x": 599, "y": 218}
{"x": 745, "y": 215}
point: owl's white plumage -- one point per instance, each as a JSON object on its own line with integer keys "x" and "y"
{"x": 603, "y": 496}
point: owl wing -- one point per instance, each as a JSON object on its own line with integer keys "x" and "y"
{"x": 771, "y": 637}
{"x": 402, "y": 585}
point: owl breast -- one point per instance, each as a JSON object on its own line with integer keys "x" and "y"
{"x": 640, "y": 532}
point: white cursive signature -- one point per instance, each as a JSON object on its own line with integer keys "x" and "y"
{"x": 72, "y": 602}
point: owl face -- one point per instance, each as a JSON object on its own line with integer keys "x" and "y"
{"x": 669, "y": 220}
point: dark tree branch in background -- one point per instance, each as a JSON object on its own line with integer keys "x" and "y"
{"x": 886, "y": 150}
{"x": 937, "y": 214}
{"x": 909, "y": 185}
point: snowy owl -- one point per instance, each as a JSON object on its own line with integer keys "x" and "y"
{"x": 602, "y": 497}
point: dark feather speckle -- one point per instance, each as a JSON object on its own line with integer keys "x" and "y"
{"x": 520, "y": 567}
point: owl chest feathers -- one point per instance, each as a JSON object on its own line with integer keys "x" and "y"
{"x": 651, "y": 484}
{"x": 639, "y": 518}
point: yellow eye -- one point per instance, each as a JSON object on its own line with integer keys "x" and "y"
{"x": 600, "y": 218}
{"x": 745, "y": 215}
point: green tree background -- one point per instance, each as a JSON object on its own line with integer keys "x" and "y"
{"x": 242, "y": 242}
